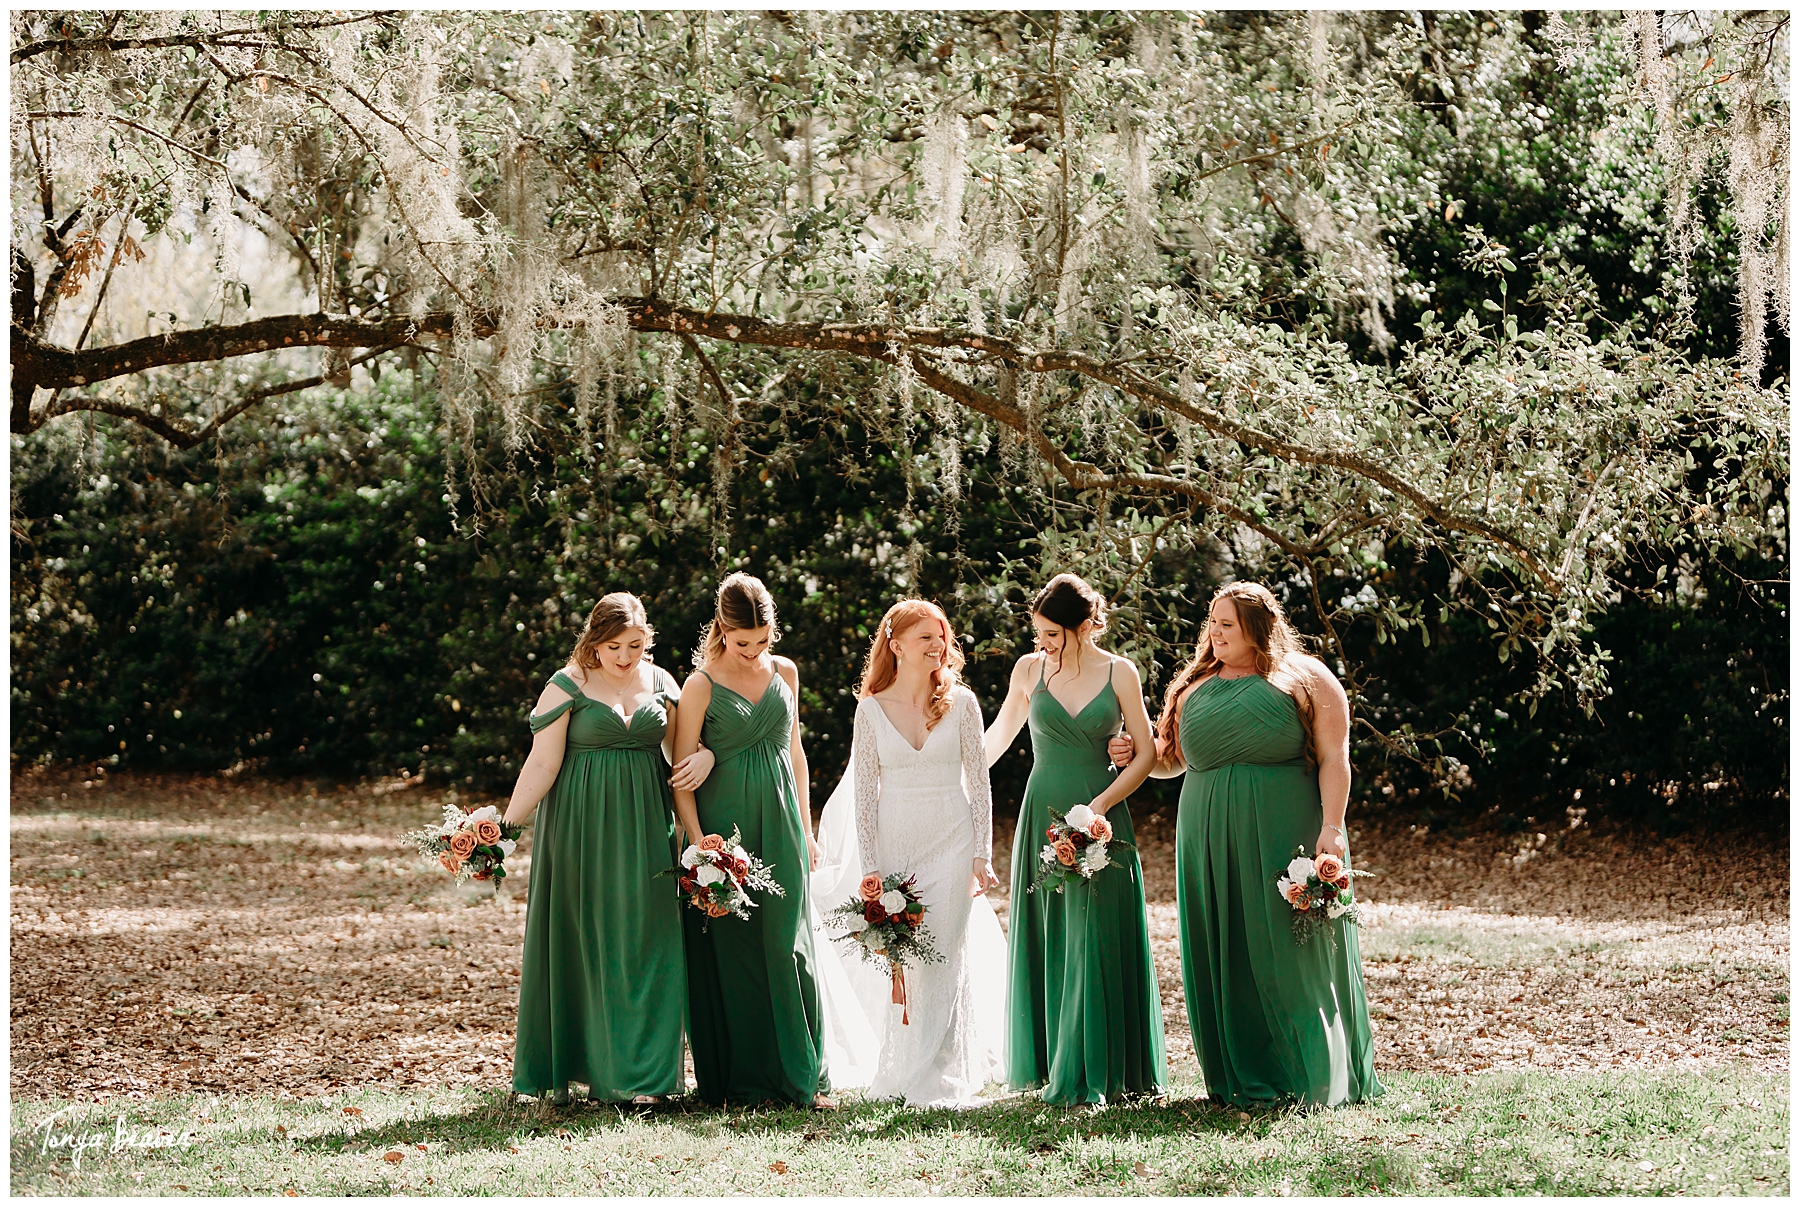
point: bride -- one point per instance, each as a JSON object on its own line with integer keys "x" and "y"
{"x": 915, "y": 801}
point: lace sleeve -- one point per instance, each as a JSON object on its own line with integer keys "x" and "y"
{"x": 975, "y": 776}
{"x": 866, "y": 768}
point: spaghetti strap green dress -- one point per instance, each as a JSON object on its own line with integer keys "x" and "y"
{"x": 753, "y": 1005}
{"x": 1084, "y": 1019}
{"x": 1274, "y": 1021}
{"x": 603, "y": 979}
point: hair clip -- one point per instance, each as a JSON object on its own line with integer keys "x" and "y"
{"x": 890, "y": 629}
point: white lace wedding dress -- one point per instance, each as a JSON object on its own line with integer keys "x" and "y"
{"x": 925, "y": 813}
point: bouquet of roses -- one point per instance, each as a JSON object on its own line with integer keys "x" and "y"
{"x": 717, "y": 874}
{"x": 886, "y": 922}
{"x": 471, "y": 846}
{"x": 1080, "y": 845}
{"x": 1319, "y": 891}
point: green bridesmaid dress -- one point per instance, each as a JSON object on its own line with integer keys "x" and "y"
{"x": 1273, "y": 1020}
{"x": 601, "y": 988}
{"x": 753, "y": 1004}
{"x": 1084, "y": 1018}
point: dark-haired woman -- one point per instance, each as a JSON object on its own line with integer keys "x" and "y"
{"x": 753, "y": 1000}
{"x": 1263, "y": 732}
{"x": 1084, "y": 1018}
{"x": 602, "y": 981}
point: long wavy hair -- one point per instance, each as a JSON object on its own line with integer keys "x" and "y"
{"x": 741, "y": 603}
{"x": 614, "y": 614}
{"x": 880, "y": 668}
{"x": 1260, "y": 619}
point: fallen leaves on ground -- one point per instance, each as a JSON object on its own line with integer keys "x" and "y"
{"x": 174, "y": 934}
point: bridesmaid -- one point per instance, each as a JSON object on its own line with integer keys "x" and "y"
{"x": 1264, "y": 733}
{"x": 603, "y": 973}
{"x": 753, "y": 1004}
{"x": 1084, "y": 1015}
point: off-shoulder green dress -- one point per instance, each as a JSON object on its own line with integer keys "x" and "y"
{"x": 1273, "y": 1021}
{"x": 603, "y": 978}
{"x": 753, "y": 1003}
{"x": 1084, "y": 1019}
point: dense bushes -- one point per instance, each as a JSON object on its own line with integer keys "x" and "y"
{"x": 300, "y": 602}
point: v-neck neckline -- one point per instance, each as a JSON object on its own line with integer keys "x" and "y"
{"x": 746, "y": 699}
{"x": 1044, "y": 686}
{"x": 920, "y": 749}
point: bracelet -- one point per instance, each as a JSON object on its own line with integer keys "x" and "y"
{"x": 1329, "y": 826}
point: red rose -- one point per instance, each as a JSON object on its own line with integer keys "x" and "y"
{"x": 688, "y": 884}
{"x": 874, "y": 913}
{"x": 1050, "y": 833}
{"x": 1342, "y": 881}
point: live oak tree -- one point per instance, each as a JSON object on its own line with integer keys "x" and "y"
{"x": 1149, "y": 257}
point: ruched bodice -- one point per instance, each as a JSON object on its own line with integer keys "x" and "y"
{"x": 595, "y": 725}
{"x": 1248, "y": 720}
{"x": 735, "y": 724}
{"x": 1079, "y": 739}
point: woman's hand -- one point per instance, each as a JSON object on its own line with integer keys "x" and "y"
{"x": 812, "y": 852}
{"x": 692, "y": 771}
{"x": 1121, "y": 750}
{"x": 1331, "y": 838}
{"x": 982, "y": 877}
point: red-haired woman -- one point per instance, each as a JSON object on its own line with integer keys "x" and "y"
{"x": 1263, "y": 732}
{"x": 918, "y": 789}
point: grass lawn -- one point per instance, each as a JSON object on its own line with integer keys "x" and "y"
{"x": 1718, "y": 1132}
{"x": 260, "y": 968}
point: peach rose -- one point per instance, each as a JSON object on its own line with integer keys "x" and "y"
{"x": 1297, "y": 896}
{"x": 487, "y": 833}
{"x": 712, "y": 842}
{"x": 463, "y": 844}
{"x": 1065, "y": 852}
{"x": 1101, "y": 830}
{"x": 715, "y": 910}
{"x": 1328, "y": 867}
{"x": 914, "y": 919}
{"x": 450, "y": 861}
{"x": 870, "y": 888}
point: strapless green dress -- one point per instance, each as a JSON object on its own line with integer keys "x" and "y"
{"x": 1273, "y": 1021}
{"x": 753, "y": 1003}
{"x": 602, "y": 977}
{"x": 1084, "y": 1019}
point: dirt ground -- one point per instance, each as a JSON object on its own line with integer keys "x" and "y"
{"x": 178, "y": 934}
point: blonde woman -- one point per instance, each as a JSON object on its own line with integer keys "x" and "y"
{"x": 602, "y": 959}
{"x": 916, "y": 803}
{"x": 753, "y": 1001}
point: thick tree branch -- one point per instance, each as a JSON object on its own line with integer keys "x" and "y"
{"x": 43, "y": 364}
{"x": 225, "y": 37}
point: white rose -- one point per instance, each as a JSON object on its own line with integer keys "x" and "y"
{"x": 449, "y": 828}
{"x": 1282, "y": 886}
{"x": 507, "y": 847}
{"x": 1300, "y": 869}
{"x": 485, "y": 813}
{"x": 1080, "y": 818}
{"x": 858, "y": 924}
{"x": 893, "y": 901}
{"x": 1095, "y": 856}
{"x": 708, "y": 874}
{"x": 740, "y": 853}
{"x": 690, "y": 857}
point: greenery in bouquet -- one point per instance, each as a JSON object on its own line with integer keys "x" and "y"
{"x": 1319, "y": 891}
{"x": 1080, "y": 845}
{"x": 717, "y": 875}
{"x": 470, "y": 846}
